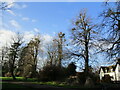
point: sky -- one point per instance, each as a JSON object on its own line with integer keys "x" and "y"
{"x": 46, "y": 18}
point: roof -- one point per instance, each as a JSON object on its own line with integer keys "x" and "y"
{"x": 108, "y": 68}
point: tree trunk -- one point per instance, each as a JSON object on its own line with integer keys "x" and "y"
{"x": 12, "y": 72}
{"x": 59, "y": 53}
{"x": 13, "y": 76}
{"x": 86, "y": 58}
{"x": 86, "y": 55}
{"x": 12, "y": 67}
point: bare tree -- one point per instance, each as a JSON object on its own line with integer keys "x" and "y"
{"x": 59, "y": 42}
{"x": 111, "y": 27}
{"x": 52, "y": 53}
{"x": 83, "y": 35}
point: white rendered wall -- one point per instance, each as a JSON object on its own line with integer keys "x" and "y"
{"x": 101, "y": 74}
{"x": 117, "y": 71}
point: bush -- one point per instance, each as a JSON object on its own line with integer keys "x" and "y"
{"x": 106, "y": 78}
{"x": 8, "y": 74}
{"x": 81, "y": 78}
{"x": 71, "y": 70}
{"x": 52, "y": 73}
{"x": 72, "y": 80}
{"x": 95, "y": 77}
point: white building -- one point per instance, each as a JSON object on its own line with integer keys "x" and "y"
{"x": 113, "y": 71}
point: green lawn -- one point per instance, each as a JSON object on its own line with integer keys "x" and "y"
{"x": 17, "y": 79}
{"x": 57, "y": 84}
{"x": 34, "y": 81}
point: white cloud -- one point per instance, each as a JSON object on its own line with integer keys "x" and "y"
{"x": 28, "y": 35}
{"x": 5, "y": 37}
{"x": 7, "y": 0}
{"x": 33, "y": 20}
{"x": 15, "y": 24}
{"x": 20, "y": 6}
{"x": 36, "y": 30}
{"x": 47, "y": 38}
{"x": 24, "y": 6}
{"x": 25, "y": 19}
{"x": 10, "y": 4}
{"x": 54, "y": 33}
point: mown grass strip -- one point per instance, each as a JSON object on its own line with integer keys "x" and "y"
{"x": 18, "y": 79}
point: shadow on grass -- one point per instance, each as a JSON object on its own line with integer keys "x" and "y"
{"x": 10, "y": 86}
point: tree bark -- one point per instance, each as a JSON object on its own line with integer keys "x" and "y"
{"x": 86, "y": 54}
{"x": 12, "y": 72}
{"x": 86, "y": 58}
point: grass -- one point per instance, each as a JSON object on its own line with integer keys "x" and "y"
{"x": 9, "y": 85}
{"x": 34, "y": 81}
{"x": 56, "y": 84}
{"x": 17, "y": 79}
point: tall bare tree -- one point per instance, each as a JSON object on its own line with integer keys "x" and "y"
{"x": 60, "y": 40}
{"x": 83, "y": 38}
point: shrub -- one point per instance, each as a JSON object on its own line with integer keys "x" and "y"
{"x": 106, "y": 78}
{"x": 95, "y": 77}
{"x": 81, "y": 78}
{"x": 71, "y": 70}
{"x": 72, "y": 80}
{"x": 8, "y": 74}
{"x": 51, "y": 73}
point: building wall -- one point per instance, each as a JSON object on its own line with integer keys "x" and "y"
{"x": 112, "y": 74}
{"x": 101, "y": 74}
{"x": 117, "y": 72}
